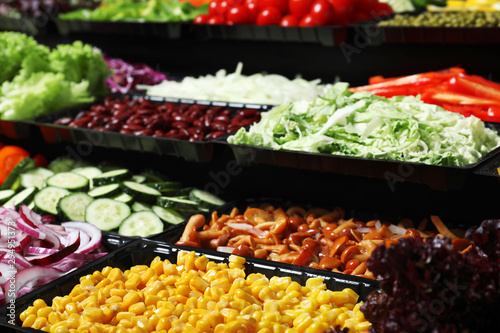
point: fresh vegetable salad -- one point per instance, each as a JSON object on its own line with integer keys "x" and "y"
{"x": 401, "y": 128}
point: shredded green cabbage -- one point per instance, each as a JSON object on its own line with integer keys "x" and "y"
{"x": 402, "y": 128}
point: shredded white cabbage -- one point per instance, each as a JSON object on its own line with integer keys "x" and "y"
{"x": 260, "y": 88}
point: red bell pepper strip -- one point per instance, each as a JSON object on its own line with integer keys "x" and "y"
{"x": 456, "y": 98}
{"x": 475, "y": 87}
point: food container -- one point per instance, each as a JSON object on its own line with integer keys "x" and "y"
{"x": 144, "y": 251}
{"x": 16, "y": 129}
{"x": 436, "y": 177}
{"x": 26, "y": 25}
{"x": 166, "y": 30}
{"x": 200, "y": 151}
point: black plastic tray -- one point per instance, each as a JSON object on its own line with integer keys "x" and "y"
{"x": 16, "y": 129}
{"x": 168, "y": 30}
{"x": 144, "y": 251}
{"x": 26, "y": 25}
{"x": 436, "y": 177}
{"x": 201, "y": 151}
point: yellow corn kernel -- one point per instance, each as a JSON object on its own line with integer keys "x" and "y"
{"x": 201, "y": 263}
{"x": 54, "y": 318}
{"x": 137, "y": 308}
{"x": 315, "y": 283}
{"x": 39, "y": 303}
{"x": 142, "y": 322}
{"x": 104, "y": 282}
{"x": 280, "y": 283}
{"x": 199, "y": 284}
{"x": 157, "y": 267}
{"x": 118, "y": 292}
{"x": 266, "y": 294}
{"x": 341, "y": 318}
{"x": 79, "y": 298}
{"x": 139, "y": 269}
{"x": 302, "y": 322}
{"x": 93, "y": 314}
{"x": 279, "y": 328}
{"x": 60, "y": 327}
{"x": 74, "y": 321}
{"x": 318, "y": 328}
{"x": 265, "y": 330}
{"x": 239, "y": 304}
{"x": 163, "y": 324}
{"x": 115, "y": 274}
{"x": 132, "y": 297}
{"x": 88, "y": 283}
{"x": 150, "y": 299}
{"x": 328, "y": 317}
{"x": 133, "y": 281}
{"x": 271, "y": 317}
{"x": 71, "y": 308}
{"x": 309, "y": 304}
{"x": 215, "y": 318}
{"x": 363, "y": 326}
{"x": 39, "y": 323}
{"x": 340, "y": 298}
{"x": 287, "y": 320}
{"x": 146, "y": 275}
{"x": 229, "y": 314}
{"x": 43, "y": 312}
{"x": 122, "y": 330}
{"x": 179, "y": 309}
{"x": 294, "y": 286}
{"x": 262, "y": 325}
{"x": 257, "y": 315}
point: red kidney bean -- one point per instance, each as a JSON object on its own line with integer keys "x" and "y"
{"x": 222, "y": 118}
{"x": 217, "y": 126}
{"x": 236, "y": 120}
{"x": 145, "y": 112}
{"x": 183, "y": 118}
{"x": 226, "y": 112}
{"x": 198, "y": 123}
{"x": 217, "y": 134}
{"x": 100, "y": 128}
{"x": 172, "y": 132}
{"x": 233, "y": 128}
{"x": 247, "y": 122}
{"x": 63, "y": 121}
{"x": 81, "y": 122}
{"x": 81, "y": 114}
{"x": 247, "y": 113}
{"x": 184, "y": 132}
{"x": 125, "y": 131}
{"x": 112, "y": 127}
{"x": 145, "y": 132}
{"x": 132, "y": 127}
{"x": 179, "y": 124}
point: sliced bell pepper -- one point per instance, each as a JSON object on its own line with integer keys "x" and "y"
{"x": 476, "y": 87}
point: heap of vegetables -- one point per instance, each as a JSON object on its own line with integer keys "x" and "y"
{"x": 401, "y": 128}
{"x": 130, "y": 10}
{"x": 36, "y": 80}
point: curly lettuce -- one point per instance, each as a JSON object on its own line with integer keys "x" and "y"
{"x": 402, "y": 128}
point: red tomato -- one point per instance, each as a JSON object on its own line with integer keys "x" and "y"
{"x": 40, "y": 160}
{"x": 215, "y": 20}
{"x": 201, "y": 19}
{"x": 343, "y": 10}
{"x": 289, "y": 21}
{"x": 300, "y": 8}
{"x": 281, "y": 5}
{"x": 365, "y": 6}
{"x": 253, "y": 9}
{"x": 269, "y": 16}
{"x": 218, "y": 8}
{"x": 359, "y": 17}
{"x": 322, "y": 12}
{"x": 238, "y": 15}
{"x": 383, "y": 10}
{"x": 307, "y": 21}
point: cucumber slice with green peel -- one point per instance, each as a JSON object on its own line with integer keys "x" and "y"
{"x": 177, "y": 203}
{"x": 168, "y": 215}
{"x": 105, "y": 191}
{"x": 142, "y": 224}
{"x": 165, "y": 185}
{"x": 62, "y": 164}
{"x": 140, "y": 192}
{"x": 125, "y": 198}
{"x": 106, "y": 214}
{"x": 89, "y": 172}
{"x": 138, "y": 179}
{"x": 205, "y": 199}
{"x": 23, "y": 197}
{"x": 5, "y": 195}
{"x": 72, "y": 207}
{"x": 140, "y": 206}
{"x": 112, "y": 177}
{"x": 12, "y": 181}
{"x": 69, "y": 180}
{"x": 35, "y": 177}
{"x": 47, "y": 198}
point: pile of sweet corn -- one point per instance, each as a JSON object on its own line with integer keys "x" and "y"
{"x": 196, "y": 295}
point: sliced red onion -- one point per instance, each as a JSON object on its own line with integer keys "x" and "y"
{"x": 92, "y": 231}
{"x": 57, "y": 256}
{"x": 28, "y": 217}
{"x": 226, "y": 249}
{"x": 30, "y": 230}
{"x": 28, "y": 275}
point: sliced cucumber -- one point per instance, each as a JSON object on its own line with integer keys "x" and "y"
{"x": 111, "y": 177}
{"x": 165, "y": 185}
{"x": 5, "y": 195}
{"x": 12, "y": 181}
{"x": 69, "y": 180}
{"x": 177, "y": 203}
{"x": 62, "y": 164}
{"x": 105, "y": 191}
{"x": 23, "y": 197}
{"x": 140, "y": 206}
{"x": 205, "y": 199}
{"x": 72, "y": 207}
{"x": 125, "y": 198}
{"x": 142, "y": 224}
{"x": 168, "y": 215}
{"x": 106, "y": 214}
{"x": 139, "y": 179}
{"x": 47, "y": 198}
{"x": 35, "y": 177}
{"x": 89, "y": 172}
{"x": 141, "y": 192}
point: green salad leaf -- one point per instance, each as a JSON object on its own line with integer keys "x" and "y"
{"x": 402, "y": 128}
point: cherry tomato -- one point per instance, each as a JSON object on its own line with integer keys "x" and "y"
{"x": 218, "y": 8}
{"x": 300, "y": 8}
{"x": 281, "y": 5}
{"x": 359, "y": 17}
{"x": 307, "y": 21}
{"x": 289, "y": 21}
{"x": 238, "y": 15}
{"x": 343, "y": 10}
{"x": 383, "y": 9}
{"x": 269, "y": 16}
{"x": 365, "y": 6}
{"x": 253, "y": 9}
{"x": 215, "y": 20}
{"x": 201, "y": 19}
{"x": 40, "y": 160}
{"x": 322, "y": 12}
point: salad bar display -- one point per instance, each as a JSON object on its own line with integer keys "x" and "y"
{"x": 135, "y": 200}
